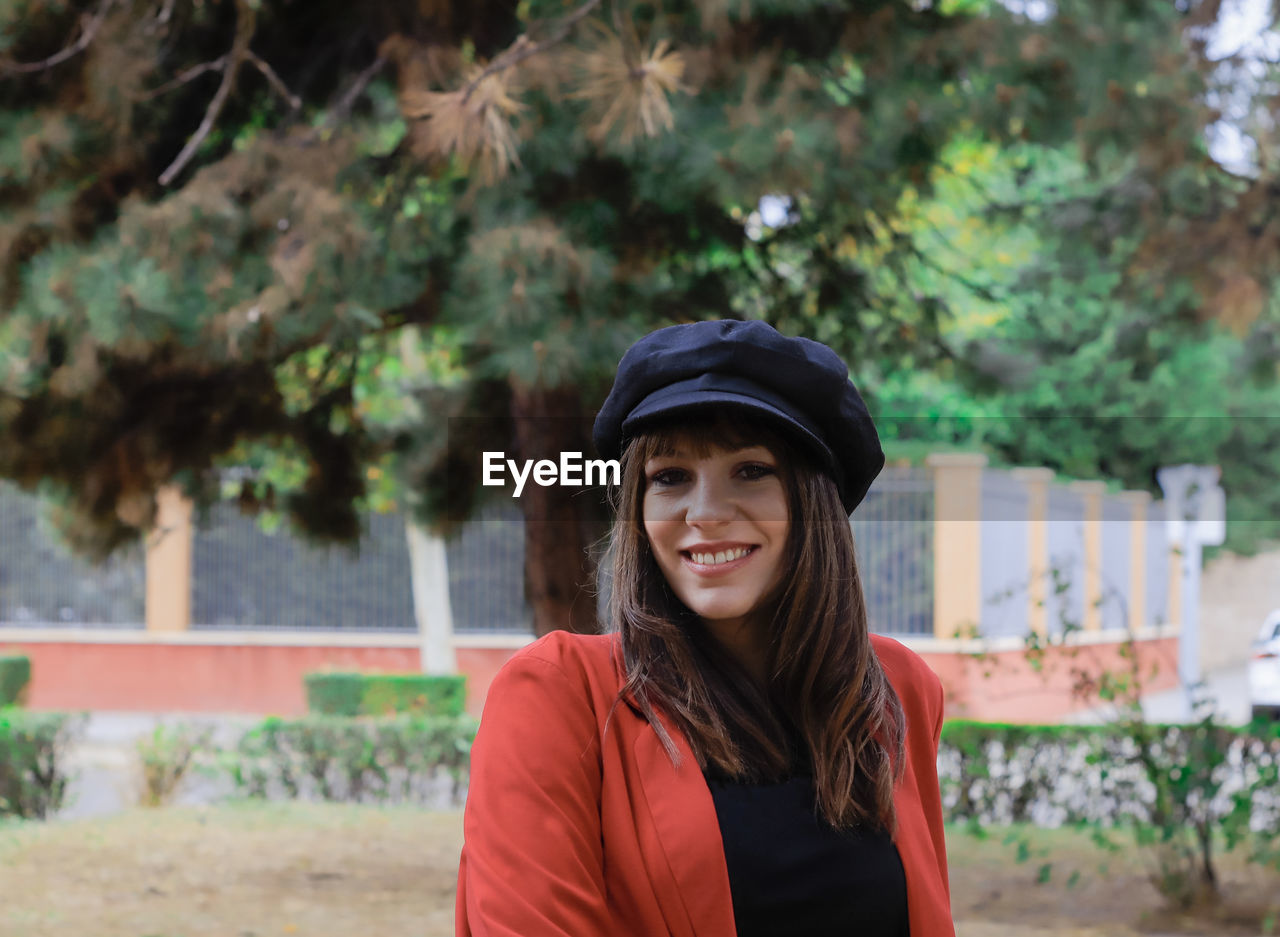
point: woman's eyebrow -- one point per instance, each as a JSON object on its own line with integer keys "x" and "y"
{"x": 678, "y": 452}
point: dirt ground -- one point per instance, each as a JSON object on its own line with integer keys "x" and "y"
{"x": 261, "y": 870}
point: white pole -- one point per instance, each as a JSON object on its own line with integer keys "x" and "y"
{"x": 1189, "y": 642}
{"x": 1197, "y": 516}
{"x": 429, "y": 574}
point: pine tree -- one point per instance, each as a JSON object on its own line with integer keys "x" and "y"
{"x": 221, "y": 220}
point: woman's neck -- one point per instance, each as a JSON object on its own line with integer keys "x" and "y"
{"x": 746, "y": 642}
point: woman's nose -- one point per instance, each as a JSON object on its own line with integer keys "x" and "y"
{"x": 709, "y": 503}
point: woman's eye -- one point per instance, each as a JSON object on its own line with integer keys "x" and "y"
{"x": 665, "y": 477}
{"x": 754, "y": 470}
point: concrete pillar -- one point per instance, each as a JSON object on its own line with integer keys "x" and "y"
{"x": 1175, "y": 585}
{"x": 169, "y": 548}
{"x": 1036, "y": 482}
{"x": 957, "y": 541}
{"x": 1091, "y": 493}
{"x": 1137, "y": 604}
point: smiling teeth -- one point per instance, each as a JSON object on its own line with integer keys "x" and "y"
{"x": 724, "y": 556}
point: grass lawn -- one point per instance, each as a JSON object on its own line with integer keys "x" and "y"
{"x": 260, "y": 870}
{"x": 1089, "y": 891}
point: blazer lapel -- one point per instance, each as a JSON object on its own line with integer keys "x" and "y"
{"x": 685, "y": 854}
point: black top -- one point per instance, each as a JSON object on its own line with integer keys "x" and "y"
{"x": 792, "y": 874}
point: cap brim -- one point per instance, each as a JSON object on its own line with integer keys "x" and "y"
{"x": 672, "y": 401}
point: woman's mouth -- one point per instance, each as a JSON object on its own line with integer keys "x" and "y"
{"x": 719, "y": 560}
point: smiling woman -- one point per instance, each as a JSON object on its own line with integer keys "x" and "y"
{"x": 717, "y": 523}
{"x": 738, "y": 754}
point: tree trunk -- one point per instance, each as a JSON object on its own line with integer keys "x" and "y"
{"x": 561, "y": 522}
{"x": 1209, "y": 892}
{"x": 429, "y": 577}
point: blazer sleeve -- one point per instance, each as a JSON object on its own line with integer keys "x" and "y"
{"x": 931, "y": 793}
{"x": 532, "y": 861}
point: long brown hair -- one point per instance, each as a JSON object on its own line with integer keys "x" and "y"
{"x": 827, "y": 695}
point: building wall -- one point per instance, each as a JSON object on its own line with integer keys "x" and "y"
{"x": 1002, "y": 686}
{"x": 258, "y": 674}
{"x": 1236, "y": 595}
{"x": 248, "y": 673}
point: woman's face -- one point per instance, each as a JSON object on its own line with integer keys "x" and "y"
{"x": 717, "y": 525}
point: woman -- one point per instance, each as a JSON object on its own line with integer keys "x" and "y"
{"x": 738, "y": 755}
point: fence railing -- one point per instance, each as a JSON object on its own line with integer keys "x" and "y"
{"x": 42, "y": 584}
{"x": 893, "y": 532}
{"x": 244, "y": 578}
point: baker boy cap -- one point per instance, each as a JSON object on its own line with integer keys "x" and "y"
{"x": 797, "y": 385}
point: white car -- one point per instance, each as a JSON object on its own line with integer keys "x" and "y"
{"x": 1264, "y": 669}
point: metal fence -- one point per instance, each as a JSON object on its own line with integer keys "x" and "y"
{"x": 893, "y": 531}
{"x": 243, "y": 577}
{"x": 486, "y": 573}
{"x": 246, "y": 578}
{"x": 1005, "y": 561}
{"x": 43, "y": 584}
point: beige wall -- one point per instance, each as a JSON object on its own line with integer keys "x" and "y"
{"x": 1236, "y": 594}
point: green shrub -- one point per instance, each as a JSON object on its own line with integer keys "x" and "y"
{"x": 165, "y": 758}
{"x": 15, "y": 674}
{"x": 1180, "y": 791}
{"x": 380, "y": 694}
{"x": 33, "y": 761}
{"x": 363, "y": 759}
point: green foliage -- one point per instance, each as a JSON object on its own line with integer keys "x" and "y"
{"x": 378, "y": 694}
{"x": 1114, "y": 389}
{"x": 1079, "y": 351}
{"x": 366, "y": 759}
{"x": 33, "y": 761}
{"x": 1178, "y": 791}
{"x": 37, "y": 146}
{"x": 15, "y": 675}
{"x": 953, "y": 169}
{"x": 166, "y": 757}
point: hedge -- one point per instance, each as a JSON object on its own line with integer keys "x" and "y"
{"x": 33, "y": 761}
{"x": 337, "y": 693}
{"x": 15, "y": 674}
{"x": 1056, "y": 775}
{"x": 367, "y": 759}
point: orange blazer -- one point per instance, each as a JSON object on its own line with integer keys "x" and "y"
{"x": 574, "y": 831}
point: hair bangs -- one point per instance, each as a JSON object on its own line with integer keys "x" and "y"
{"x": 700, "y": 433}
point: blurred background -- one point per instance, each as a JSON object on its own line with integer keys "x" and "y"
{"x": 274, "y": 274}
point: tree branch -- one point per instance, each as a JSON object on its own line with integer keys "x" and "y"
{"x": 218, "y": 65}
{"x": 349, "y": 98}
{"x": 273, "y": 79}
{"x": 210, "y": 118}
{"x": 90, "y": 29}
{"x": 190, "y": 74}
{"x": 239, "y": 52}
{"x": 978, "y": 289}
{"x": 161, "y": 19}
{"x": 522, "y": 48}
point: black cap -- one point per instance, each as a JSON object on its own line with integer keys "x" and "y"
{"x": 796, "y": 384}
